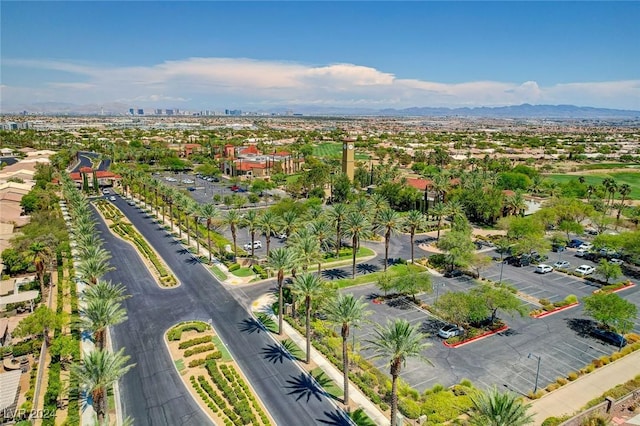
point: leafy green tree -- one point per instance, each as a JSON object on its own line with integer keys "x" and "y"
{"x": 495, "y": 298}
{"x": 280, "y": 260}
{"x": 480, "y": 262}
{"x": 41, "y": 320}
{"x": 493, "y": 408}
{"x": 397, "y": 341}
{"x": 461, "y": 308}
{"x": 570, "y": 227}
{"x": 65, "y": 348}
{"x": 97, "y": 373}
{"x": 347, "y": 312}
{"x": 309, "y": 287}
{"x": 341, "y": 188}
{"x": 413, "y": 284}
{"x": 608, "y": 270}
{"x": 611, "y": 310}
{"x": 458, "y": 248}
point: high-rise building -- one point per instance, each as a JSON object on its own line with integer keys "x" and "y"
{"x": 131, "y": 111}
{"x": 169, "y": 112}
{"x": 158, "y": 112}
{"x": 140, "y": 111}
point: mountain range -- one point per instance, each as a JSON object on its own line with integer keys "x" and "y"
{"x": 513, "y": 111}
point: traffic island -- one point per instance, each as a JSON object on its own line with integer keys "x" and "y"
{"x": 476, "y": 338}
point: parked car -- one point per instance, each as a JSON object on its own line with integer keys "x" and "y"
{"x": 112, "y": 198}
{"x": 616, "y": 261}
{"x": 256, "y": 245}
{"x": 191, "y": 188}
{"x": 581, "y": 252}
{"x": 131, "y": 203}
{"x": 543, "y": 269}
{"x": 591, "y": 231}
{"x": 453, "y": 273}
{"x": 537, "y": 257}
{"x": 585, "y": 270}
{"x": 607, "y": 252}
{"x": 575, "y": 243}
{"x": 585, "y": 246}
{"x": 450, "y": 330}
{"x": 609, "y": 337}
{"x": 557, "y": 248}
{"x": 105, "y": 191}
{"x": 561, "y": 264}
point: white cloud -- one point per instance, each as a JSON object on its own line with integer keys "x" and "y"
{"x": 219, "y": 82}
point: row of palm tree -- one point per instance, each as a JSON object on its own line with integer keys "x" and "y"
{"x": 101, "y": 309}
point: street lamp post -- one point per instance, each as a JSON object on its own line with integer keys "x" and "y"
{"x": 535, "y": 388}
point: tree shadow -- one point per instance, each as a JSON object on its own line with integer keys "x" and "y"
{"x": 276, "y": 353}
{"x": 193, "y": 260}
{"x": 400, "y": 303}
{"x": 182, "y": 251}
{"x": 367, "y": 268}
{"x": 335, "y": 274}
{"x": 336, "y": 418}
{"x": 251, "y": 325}
{"x": 430, "y": 326}
{"x": 581, "y": 326}
{"x": 304, "y": 386}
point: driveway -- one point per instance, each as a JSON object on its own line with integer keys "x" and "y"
{"x": 153, "y": 393}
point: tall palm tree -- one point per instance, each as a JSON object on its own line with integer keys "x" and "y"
{"x": 397, "y": 341}
{"x": 209, "y": 212}
{"x": 413, "y": 221}
{"x": 99, "y": 314}
{"x": 309, "y": 287}
{"x": 493, "y": 408}
{"x": 289, "y": 222}
{"x": 280, "y": 259}
{"x": 346, "y": 311}
{"x": 92, "y": 268}
{"x": 389, "y": 221}
{"x": 233, "y": 219}
{"x": 306, "y": 249}
{"x": 105, "y": 290}
{"x": 169, "y": 198}
{"x": 250, "y": 220}
{"x": 357, "y": 226}
{"x": 439, "y": 210}
{"x": 268, "y": 224}
{"x": 337, "y": 214}
{"x": 192, "y": 209}
{"x": 321, "y": 229}
{"x": 40, "y": 258}
{"x": 97, "y": 373}
{"x": 624, "y": 190}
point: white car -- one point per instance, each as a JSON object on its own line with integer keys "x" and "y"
{"x": 105, "y": 191}
{"x": 616, "y": 261}
{"x": 543, "y": 269}
{"x": 256, "y": 245}
{"x": 112, "y": 198}
{"x": 450, "y": 330}
{"x": 581, "y": 252}
{"x": 585, "y": 246}
{"x": 561, "y": 264}
{"x": 585, "y": 270}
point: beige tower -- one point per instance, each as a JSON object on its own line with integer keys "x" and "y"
{"x": 348, "y": 158}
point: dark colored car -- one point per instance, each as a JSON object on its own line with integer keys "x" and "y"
{"x": 575, "y": 243}
{"x": 557, "y": 248}
{"x": 609, "y": 337}
{"x": 519, "y": 261}
{"x": 453, "y": 273}
{"x": 191, "y": 188}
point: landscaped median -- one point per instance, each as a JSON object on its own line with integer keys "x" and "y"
{"x": 548, "y": 308}
{"x": 120, "y": 226}
{"x": 457, "y": 344}
{"x": 614, "y": 288}
{"x": 222, "y": 391}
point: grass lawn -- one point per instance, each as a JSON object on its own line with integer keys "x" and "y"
{"x": 243, "y": 272}
{"x": 226, "y": 356}
{"x": 347, "y": 255}
{"x": 600, "y": 166}
{"x": 268, "y": 322}
{"x": 392, "y": 271}
{"x": 334, "y": 150}
{"x": 180, "y": 364}
{"x": 325, "y": 381}
{"x": 630, "y": 178}
{"x": 293, "y": 349}
{"x": 218, "y": 273}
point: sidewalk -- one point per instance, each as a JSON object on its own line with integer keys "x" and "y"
{"x": 355, "y": 394}
{"x": 575, "y": 395}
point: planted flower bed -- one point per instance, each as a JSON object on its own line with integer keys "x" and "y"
{"x": 549, "y": 308}
{"x": 128, "y": 232}
{"x": 214, "y": 376}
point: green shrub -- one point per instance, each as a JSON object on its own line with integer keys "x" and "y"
{"x": 555, "y": 421}
{"x": 570, "y": 299}
{"x": 234, "y": 267}
{"x": 199, "y": 350}
{"x": 193, "y": 342}
{"x": 544, "y": 302}
{"x": 561, "y": 381}
{"x": 409, "y": 408}
{"x": 572, "y": 376}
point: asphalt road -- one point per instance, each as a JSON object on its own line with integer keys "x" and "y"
{"x": 152, "y": 393}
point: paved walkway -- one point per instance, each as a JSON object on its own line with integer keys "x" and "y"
{"x": 355, "y": 394}
{"x": 575, "y": 395}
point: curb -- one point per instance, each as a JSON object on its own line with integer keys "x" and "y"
{"x": 555, "y": 311}
{"x": 616, "y": 290}
{"x": 473, "y": 339}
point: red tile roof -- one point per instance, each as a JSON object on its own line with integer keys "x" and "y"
{"x": 246, "y": 166}
{"x": 251, "y": 149}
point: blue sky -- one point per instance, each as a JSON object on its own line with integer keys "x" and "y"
{"x": 257, "y": 55}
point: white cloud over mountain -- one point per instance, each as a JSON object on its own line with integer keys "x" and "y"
{"x": 242, "y": 82}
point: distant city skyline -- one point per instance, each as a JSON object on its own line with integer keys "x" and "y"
{"x": 264, "y": 55}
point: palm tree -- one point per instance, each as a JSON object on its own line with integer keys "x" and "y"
{"x": 413, "y": 221}
{"x": 169, "y": 197}
{"x": 98, "y": 371}
{"x": 321, "y": 230}
{"x": 389, "y": 222}
{"x": 280, "y": 259}
{"x": 289, "y": 222}
{"x": 92, "y": 268}
{"x": 624, "y": 190}
{"x": 99, "y": 314}
{"x": 397, "y": 341}
{"x": 346, "y": 311}
{"x": 233, "y": 219}
{"x": 309, "y": 287}
{"x": 493, "y": 408}
{"x": 105, "y": 290}
{"x": 441, "y": 185}
{"x": 40, "y": 259}
{"x": 439, "y": 210}
{"x": 306, "y": 249}
{"x": 357, "y": 226}
{"x": 209, "y": 212}
{"x": 250, "y": 220}
{"x": 337, "y": 214}
{"x": 192, "y": 208}
{"x": 268, "y": 224}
